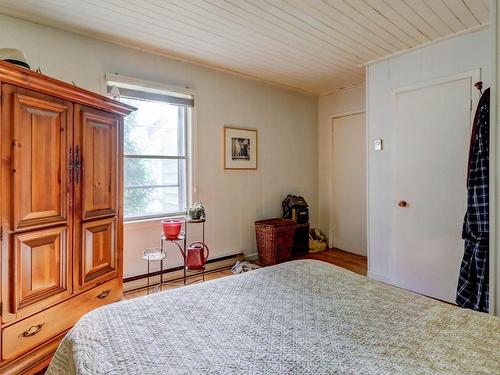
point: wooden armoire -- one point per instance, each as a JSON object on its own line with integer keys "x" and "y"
{"x": 61, "y": 199}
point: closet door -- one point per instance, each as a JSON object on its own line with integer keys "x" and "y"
{"x": 432, "y": 131}
{"x": 348, "y": 224}
{"x": 96, "y": 196}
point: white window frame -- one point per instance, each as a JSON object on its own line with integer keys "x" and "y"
{"x": 124, "y": 82}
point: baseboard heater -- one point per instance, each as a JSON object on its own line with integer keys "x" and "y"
{"x": 175, "y": 273}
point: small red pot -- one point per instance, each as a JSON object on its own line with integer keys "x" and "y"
{"x": 172, "y": 228}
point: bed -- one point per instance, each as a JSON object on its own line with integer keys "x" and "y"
{"x": 300, "y": 317}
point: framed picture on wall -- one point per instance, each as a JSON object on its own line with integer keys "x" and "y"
{"x": 240, "y": 148}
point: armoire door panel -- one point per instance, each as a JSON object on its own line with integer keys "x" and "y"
{"x": 40, "y": 134}
{"x": 97, "y": 150}
{"x": 97, "y": 252}
{"x": 41, "y": 269}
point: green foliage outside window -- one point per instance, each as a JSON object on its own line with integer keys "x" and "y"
{"x": 138, "y": 171}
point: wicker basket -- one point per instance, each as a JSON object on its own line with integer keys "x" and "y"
{"x": 274, "y": 240}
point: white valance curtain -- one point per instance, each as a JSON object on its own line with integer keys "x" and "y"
{"x": 118, "y": 85}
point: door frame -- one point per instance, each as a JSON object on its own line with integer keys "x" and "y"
{"x": 474, "y": 76}
{"x": 494, "y": 271}
{"x": 330, "y": 171}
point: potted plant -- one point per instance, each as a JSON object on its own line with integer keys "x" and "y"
{"x": 196, "y": 211}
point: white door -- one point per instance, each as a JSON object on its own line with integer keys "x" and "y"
{"x": 348, "y": 216}
{"x": 431, "y": 148}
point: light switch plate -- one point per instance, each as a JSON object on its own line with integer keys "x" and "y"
{"x": 377, "y": 145}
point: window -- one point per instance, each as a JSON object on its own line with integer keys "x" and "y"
{"x": 156, "y": 149}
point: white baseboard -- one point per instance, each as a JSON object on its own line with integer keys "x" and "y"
{"x": 178, "y": 274}
{"x": 376, "y": 276}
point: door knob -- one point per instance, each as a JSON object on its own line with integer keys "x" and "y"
{"x": 403, "y": 204}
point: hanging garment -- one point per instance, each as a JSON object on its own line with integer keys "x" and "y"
{"x": 472, "y": 290}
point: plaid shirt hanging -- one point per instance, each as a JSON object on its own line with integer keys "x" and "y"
{"x": 472, "y": 289}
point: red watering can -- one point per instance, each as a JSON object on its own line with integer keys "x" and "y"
{"x": 195, "y": 257}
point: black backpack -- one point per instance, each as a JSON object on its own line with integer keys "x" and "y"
{"x": 295, "y": 208}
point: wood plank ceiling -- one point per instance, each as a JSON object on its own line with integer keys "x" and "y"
{"x": 316, "y": 46}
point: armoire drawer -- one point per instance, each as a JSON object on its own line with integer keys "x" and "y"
{"x": 39, "y": 328}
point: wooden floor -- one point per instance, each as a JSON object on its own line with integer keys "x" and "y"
{"x": 353, "y": 262}
{"x": 176, "y": 284}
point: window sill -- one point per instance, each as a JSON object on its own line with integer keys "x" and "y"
{"x": 152, "y": 220}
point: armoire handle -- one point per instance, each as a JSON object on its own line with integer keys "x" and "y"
{"x": 32, "y": 331}
{"x": 77, "y": 164}
{"x": 70, "y": 164}
{"x": 104, "y": 294}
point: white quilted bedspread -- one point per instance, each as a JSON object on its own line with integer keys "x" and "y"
{"x": 301, "y": 317}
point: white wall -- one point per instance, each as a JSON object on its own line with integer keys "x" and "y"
{"x": 456, "y": 55}
{"x": 345, "y": 101}
{"x": 286, "y": 121}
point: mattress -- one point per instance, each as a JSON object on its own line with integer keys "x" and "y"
{"x": 300, "y": 317}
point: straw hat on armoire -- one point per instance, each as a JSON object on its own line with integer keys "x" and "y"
{"x": 14, "y": 56}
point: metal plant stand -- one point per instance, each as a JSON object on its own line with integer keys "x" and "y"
{"x": 181, "y": 243}
{"x": 154, "y": 255}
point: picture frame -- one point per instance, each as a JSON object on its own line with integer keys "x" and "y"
{"x": 240, "y": 148}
